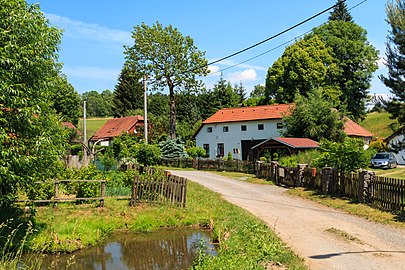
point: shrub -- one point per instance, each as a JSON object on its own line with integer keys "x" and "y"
{"x": 195, "y": 152}
{"x": 306, "y": 157}
{"x": 264, "y": 159}
{"x": 378, "y": 145}
{"x": 148, "y": 154}
{"x": 172, "y": 149}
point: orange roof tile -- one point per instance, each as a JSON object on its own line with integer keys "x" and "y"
{"x": 116, "y": 126}
{"x": 71, "y": 126}
{"x": 354, "y": 129}
{"x": 250, "y": 113}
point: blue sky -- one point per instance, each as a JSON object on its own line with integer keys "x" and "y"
{"x": 96, "y": 30}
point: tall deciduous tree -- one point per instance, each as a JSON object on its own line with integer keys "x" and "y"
{"x": 169, "y": 57}
{"x": 355, "y": 58}
{"x": 314, "y": 118}
{"x": 128, "y": 93}
{"x": 66, "y": 100}
{"x": 98, "y": 105}
{"x": 395, "y": 59}
{"x": 31, "y": 137}
{"x": 303, "y": 66}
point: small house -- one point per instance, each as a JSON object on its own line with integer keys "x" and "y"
{"x": 396, "y": 139}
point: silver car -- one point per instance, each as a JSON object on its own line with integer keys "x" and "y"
{"x": 384, "y": 160}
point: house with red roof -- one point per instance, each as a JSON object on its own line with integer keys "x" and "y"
{"x": 238, "y": 130}
{"x": 116, "y": 127}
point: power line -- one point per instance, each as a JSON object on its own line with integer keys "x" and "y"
{"x": 274, "y": 48}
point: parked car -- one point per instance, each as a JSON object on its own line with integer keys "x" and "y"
{"x": 384, "y": 160}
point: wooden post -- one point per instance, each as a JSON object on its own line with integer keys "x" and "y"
{"x": 56, "y": 189}
{"x": 102, "y": 193}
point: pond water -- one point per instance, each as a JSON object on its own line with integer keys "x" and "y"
{"x": 164, "y": 249}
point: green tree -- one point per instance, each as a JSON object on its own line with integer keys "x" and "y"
{"x": 128, "y": 93}
{"x": 356, "y": 60}
{"x": 346, "y": 156}
{"x": 31, "y": 137}
{"x": 66, "y": 100}
{"x": 98, "y": 105}
{"x": 305, "y": 65}
{"x": 340, "y": 12}
{"x": 395, "y": 59}
{"x": 240, "y": 90}
{"x": 171, "y": 58}
{"x": 314, "y": 117}
{"x": 172, "y": 148}
{"x": 223, "y": 95}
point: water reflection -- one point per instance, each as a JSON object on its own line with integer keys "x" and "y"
{"x": 168, "y": 249}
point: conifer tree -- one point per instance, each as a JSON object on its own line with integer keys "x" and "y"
{"x": 128, "y": 93}
{"x": 395, "y": 59}
{"x": 340, "y": 12}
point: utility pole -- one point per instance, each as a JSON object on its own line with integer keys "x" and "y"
{"x": 145, "y": 109}
{"x": 84, "y": 134}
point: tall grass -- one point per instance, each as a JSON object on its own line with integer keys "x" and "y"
{"x": 11, "y": 254}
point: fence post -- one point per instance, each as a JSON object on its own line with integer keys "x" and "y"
{"x": 56, "y": 189}
{"x": 299, "y": 177}
{"x": 364, "y": 192}
{"x": 134, "y": 192}
{"x": 102, "y": 193}
{"x": 326, "y": 180}
{"x": 274, "y": 172}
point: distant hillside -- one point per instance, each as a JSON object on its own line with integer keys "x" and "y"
{"x": 93, "y": 124}
{"x": 378, "y": 124}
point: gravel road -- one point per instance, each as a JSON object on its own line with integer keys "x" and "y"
{"x": 306, "y": 226}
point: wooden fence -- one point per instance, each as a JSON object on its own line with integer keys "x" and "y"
{"x": 382, "y": 192}
{"x": 154, "y": 186}
{"x": 56, "y": 194}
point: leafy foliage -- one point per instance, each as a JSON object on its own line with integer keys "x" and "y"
{"x": 171, "y": 58}
{"x": 314, "y": 118}
{"x": 305, "y": 157}
{"x": 195, "y": 152}
{"x": 305, "y": 65}
{"x": 395, "y": 59}
{"x": 31, "y": 137}
{"x": 98, "y": 105}
{"x": 172, "y": 149}
{"x": 355, "y": 59}
{"x": 347, "y": 156}
{"x": 66, "y": 100}
{"x": 148, "y": 154}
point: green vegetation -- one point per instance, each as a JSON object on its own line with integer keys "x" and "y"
{"x": 398, "y": 172}
{"x": 378, "y": 123}
{"x": 351, "y": 207}
{"x": 245, "y": 177}
{"x": 343, "y": 235}
{"x": 245, "y": 242}
{"x": 93, "y": 124}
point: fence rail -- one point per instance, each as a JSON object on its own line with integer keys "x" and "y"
{"x": 56, "y": 194}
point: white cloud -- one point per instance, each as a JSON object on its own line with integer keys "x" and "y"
{"x": 214, "y": 69}
{"x": 381, "y": 62}
{"x": 246, "y": 75}
{"x": 89, "y": 31}
{"x": 92, "y": 72}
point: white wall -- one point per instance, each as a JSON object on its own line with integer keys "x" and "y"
{"x": 232, "y": 139}
{"x": 400, "y": 156}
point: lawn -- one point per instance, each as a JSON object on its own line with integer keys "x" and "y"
{"x": 398, "y": 172}
{"x": 93, "y": 124}
{"x": 378, "y": 124}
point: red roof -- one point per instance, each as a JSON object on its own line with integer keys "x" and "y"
{"x": 298, "y": 142}
{"x": 354, "y": 129}
{"x": 116, "y": 126}
{"x": 71, "y": 126}
{"x": 250, "y": 113}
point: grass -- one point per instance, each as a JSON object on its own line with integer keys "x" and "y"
{"x": 378, "y": 124}
{"x": 398, "y": 172}
{"x": 352, "y": 207}
{"x": 93, "y": 124}
{"x": 245, "y": 242}
{"x": 343, "y": 235}
{"x": 245, "y": 177}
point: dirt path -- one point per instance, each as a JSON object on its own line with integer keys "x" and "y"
{"x": 313, "y": 231}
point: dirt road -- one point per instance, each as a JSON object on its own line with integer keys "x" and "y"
{"x": 326, "y": 238}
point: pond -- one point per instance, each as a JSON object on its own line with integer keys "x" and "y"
{"x": 163, "y": 249}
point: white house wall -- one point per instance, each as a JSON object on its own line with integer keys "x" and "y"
{"x": 400, "y": 156}
{"x": 232, "y": 139}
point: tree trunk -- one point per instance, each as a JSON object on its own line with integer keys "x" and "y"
{"x": 172, "y": 122}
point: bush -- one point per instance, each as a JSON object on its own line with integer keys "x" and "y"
{"x": 378, "y": 145}
{"x": 264, "y": 159}
{"x": 347, "y": 156}
{"x": 195, "y": 152}
{"x": 306, "y": 157}
{"x": 148, "y": 154}
{"x": 108, "y": 160}
{"x": 173, "y": 149}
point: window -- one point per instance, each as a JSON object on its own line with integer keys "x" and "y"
{"x": 279, "y": 125}
{"x": 206, "y": 148}
{"x": 226, "y": 129}
{"x": 209, "y": 129}
{"x": 236, "y": 151}
{"x": 220, "y": 150}
{"x": 243, "y": 127}
{"x": 260, "y": 126}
